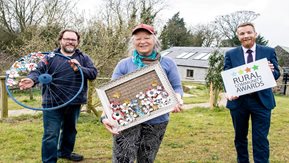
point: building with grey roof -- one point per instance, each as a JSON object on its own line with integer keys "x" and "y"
{"x": 192, "y": 62}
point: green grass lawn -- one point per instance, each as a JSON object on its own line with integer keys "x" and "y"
{"x": 197, "y": 93}
{"x": 23, "y": 96}
{"x": 196, "y": 135}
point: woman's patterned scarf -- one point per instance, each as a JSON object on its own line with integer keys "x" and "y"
{"x": 142, "y": 61}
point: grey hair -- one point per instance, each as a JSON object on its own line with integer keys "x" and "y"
{"x": 131, "y": 47}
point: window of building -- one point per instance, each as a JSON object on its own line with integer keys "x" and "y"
{"x": 200, "y": 55}
{"x": 189, "y": 55}
{"x": 182, "y": 55}
{"x": 190, "y": 73}
{"x": 206, "y": 57}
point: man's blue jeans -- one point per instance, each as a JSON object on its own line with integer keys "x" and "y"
{"x": 59, "y": 132}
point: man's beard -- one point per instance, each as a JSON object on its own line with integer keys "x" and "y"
{"x": 69, "y": 50}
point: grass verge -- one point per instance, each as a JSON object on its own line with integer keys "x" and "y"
{"x": 195, "y": 135}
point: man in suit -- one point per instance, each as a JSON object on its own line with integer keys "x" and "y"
{"x": 257, "y": 105}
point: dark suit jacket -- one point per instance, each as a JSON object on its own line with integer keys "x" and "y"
{"x": 235, "y": 58}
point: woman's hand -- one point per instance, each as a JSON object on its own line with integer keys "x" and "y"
{"x": 109, "y": 126}
{"x": 179, "y": 106}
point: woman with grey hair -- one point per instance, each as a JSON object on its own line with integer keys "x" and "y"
{"x": 142, "y": 141}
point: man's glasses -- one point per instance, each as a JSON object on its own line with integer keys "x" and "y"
{"x": 69, "y": 39}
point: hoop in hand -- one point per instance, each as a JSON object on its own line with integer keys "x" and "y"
{"x": 56, "y": 82}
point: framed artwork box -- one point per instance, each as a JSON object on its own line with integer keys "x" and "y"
{"x": 137, "y": 97}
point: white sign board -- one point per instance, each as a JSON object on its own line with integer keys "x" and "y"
{"x": 248, "y": 78}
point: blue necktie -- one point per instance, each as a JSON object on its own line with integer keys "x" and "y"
{"x": 250, "y": 56}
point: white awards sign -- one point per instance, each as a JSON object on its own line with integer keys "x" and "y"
{"x": 248, "y": 78}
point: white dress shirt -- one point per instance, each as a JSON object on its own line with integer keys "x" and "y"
{"x": 253, "y": 53}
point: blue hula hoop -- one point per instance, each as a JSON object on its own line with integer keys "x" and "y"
{"x": 56, "y": 86}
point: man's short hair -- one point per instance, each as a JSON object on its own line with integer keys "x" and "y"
{"x": 68, "y": 30}
{"x": 246, "y": 24}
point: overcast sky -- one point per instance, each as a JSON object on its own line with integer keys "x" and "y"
{"x": 273, "y": 22}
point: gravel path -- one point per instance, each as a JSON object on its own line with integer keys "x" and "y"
{"x": 15, "y": 113}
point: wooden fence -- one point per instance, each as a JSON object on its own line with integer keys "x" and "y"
{"x": 91, "y": 92}
{"x": 3, "y": 99}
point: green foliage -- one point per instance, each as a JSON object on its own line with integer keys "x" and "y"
{"x": 31, "y": 26}
{"x": 198, "y": 38}
{"x": 147, "y": 14}
{"x": 261, "y": 40}
{"x": 231, "y": 42}
{"x": 33, "y": 39}
{"x": 106, "y": 45}
{"x": 175, "y": 33}
{"x": 216, "y": 64}
{"x": 6, "y": 38}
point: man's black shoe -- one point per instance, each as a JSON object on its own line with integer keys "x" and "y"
{"x": 73, "y": 157}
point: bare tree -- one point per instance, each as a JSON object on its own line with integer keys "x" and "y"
{"x": 227, "y": 25}
{"x": 205, "y": 35}
{"x": 131, "y": 12}
{"x": 32, "y": 25}
{"x": 105, "y": 38}
{"x": 17, "y": 15}
{"x": 109, "y": 34}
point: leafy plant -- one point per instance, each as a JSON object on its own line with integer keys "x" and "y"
{"x": 214, "y": 78}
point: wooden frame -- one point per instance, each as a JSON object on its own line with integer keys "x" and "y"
{"x": 137, "y": 97}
